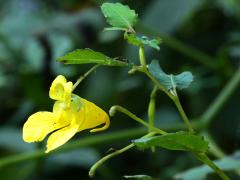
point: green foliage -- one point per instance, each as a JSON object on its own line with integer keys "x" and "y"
{"x": 170, "y": 81}
{"x": 48, "y": 32}
{"x": 84, "y": 157}
{"x": 87, "y": 56}
{"x": 13, "y": 141}
{"x": 139, "y": 177}
{"x": 141, "y": 41}
{"x": 204, "y": 158}
{"x": 183, "y": 141}
{"x": 166, "y": 16}
{"x": 119, "y": 16}
{"x": 227, "y": 163}
{"x": 18, "y": 172}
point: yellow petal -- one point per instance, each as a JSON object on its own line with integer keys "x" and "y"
{"x": 65, "y": 114}
{"x": 38, "y": 126}
{"x": 61, "y": 90}
{"x": 57, "y": 88}
{"x": 93, "y": 117}
{"x": 59, "y": 106}
{"x": 60, "y": 137}
{"x": 68, "y": 92}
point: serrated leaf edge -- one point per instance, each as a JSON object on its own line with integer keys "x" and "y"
{"x": 128, "y": 24}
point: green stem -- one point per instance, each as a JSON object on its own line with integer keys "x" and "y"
{"x": 142, "y": 58}
{"x": 115, "y": 108}
{"x": 143, "y": 68}
{"x": 151, "y": 110}
{"x": 156, "y": 82}
{"x": 105, "y": 158}
{"x": 221, "y": 99}
{"x": 81, "y": 78}
{"x": 206, "y": 160}
{"x": 182, "y": 113}
{"x": 181, "y": 47}
{"x": 213, "y": 147}
{"x": 97, "y": 139}
{"x": 109, "y": 156}
{"x": 173, "y": 96}
{"x": 224, "y": 95}
{"x": 216, "y": 150}
{"x": 83, "y": 142}
{"x": 212, "y": 111}
{"x": 151, "y": 107}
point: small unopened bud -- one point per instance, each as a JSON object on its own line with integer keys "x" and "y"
{"x": 112, "y": 111}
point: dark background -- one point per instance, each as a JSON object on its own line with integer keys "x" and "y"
{"x": 34, "y": 33}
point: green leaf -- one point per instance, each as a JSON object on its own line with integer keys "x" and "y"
{"x": 86, "y": 56}
{"x": 227, "y": 163}
{"x": 139, "y": 177}
{"x": 183, "y": 141}
{"x": 170, "y": 81}
{"x": 144, "y": 40}
{"x": 119, "y": 15}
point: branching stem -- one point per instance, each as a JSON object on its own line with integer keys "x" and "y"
{"x": 173, "y": 96}
{"x": 109, "y": 156}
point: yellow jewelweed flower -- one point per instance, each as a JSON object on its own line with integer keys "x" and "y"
{"x": 70, "y": 115}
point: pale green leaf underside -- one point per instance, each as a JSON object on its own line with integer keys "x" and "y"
{"x": 170, "y": 81}
{"x": 183, "y": 141}
{"x": 87, "y": 56}
{"x": 118, "y": 15}
{"x": 144, "y": 40}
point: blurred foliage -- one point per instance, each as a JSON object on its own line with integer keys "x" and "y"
{"x": 227, "y": 163}
{"x": 34, "y": 33}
